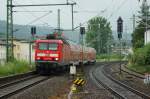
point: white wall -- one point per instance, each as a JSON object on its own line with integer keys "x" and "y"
{"x": 147, "y": 37}
{"x": 2, "y": 53}
{"x": 21, "y": 51}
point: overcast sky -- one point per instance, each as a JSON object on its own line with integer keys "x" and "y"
{"x": 110, "y": 9}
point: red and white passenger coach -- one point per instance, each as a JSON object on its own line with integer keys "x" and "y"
{"x": 56, "y": 53}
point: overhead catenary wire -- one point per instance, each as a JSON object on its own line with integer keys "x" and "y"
{"x": 102, "y": 11}
{"x": 30, "y": 11}
{"x": 35, "y": 20}
{"x": 46, "y": 4}
{"x": 118, "y": 8}
{"x": 33, "y": 15}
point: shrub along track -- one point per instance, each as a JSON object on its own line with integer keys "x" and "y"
{"x": 103, "y": 76}
{"x": 14, "y": 84}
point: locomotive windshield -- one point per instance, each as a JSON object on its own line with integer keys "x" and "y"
{"x": 48, "y": 46}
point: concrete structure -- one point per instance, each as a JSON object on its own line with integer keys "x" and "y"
{"x": 21, "y": 50}
{"x": 2, "y": 51}
{"x": 147, "y": 37}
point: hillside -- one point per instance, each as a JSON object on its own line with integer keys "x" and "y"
{"x": 23, "y": 32}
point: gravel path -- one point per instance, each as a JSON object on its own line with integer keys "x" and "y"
{"x": 58, "y": 88}
{"x": 54, "y": 88}
{"x": 91, "y": 89}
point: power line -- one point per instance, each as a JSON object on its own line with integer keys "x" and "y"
{"x": 103, "y": 11}
{"x": 118, "y": 8}
{"x": 38, "y": 18}
{"x": 31, "y": 11}
{"x": 33, "y": 15}
{"x": 35, "y": 5}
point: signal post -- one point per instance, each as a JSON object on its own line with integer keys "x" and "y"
{"x": 79, "y": 81}
{"x": 120, "y": 30}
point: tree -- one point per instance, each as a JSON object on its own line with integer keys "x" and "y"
{"x": 99, "y": 34}
{"x": 143, "y": 23}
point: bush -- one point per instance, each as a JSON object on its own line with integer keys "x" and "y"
{"x": 102, "y": 56}
{"x": 139, "y": 68}
{"x": 141, "y": 56}
{"x": 14, "y": 67}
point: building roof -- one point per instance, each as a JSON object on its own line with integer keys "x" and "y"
{"x": 2, "y": 43}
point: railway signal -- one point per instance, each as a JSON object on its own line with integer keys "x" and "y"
{"x": 82, "y": 30}
{"x": 119, "y": 27}
{"x": 33, "y": 30}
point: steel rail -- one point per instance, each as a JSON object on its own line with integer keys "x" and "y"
{"x": 105, "y": 86}
{"x": 8, "y": 93}
{"x": 17, "y": 76}
{"x": 143, "y": 95}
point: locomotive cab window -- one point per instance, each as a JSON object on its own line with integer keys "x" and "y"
{"x": 52, "y": 46}
{"x": 43, "y": 46}
{"x": 48, "y": 46}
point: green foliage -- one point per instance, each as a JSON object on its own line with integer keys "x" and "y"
{"x": 138, "y": 34}
{"x": 109, "y": 57}
{"x": 99, "y": 34}
{"x": 139, "y": 68}
{"x": 141, "y": 56}
{"x": 14, "y": 67}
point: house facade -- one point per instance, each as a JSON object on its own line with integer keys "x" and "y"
{"x": 2, "y": 51}
{"x": 147, "y": 37}
{"x": 22, "y": 51}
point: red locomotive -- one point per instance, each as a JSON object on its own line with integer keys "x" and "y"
{"x": 56, "y": 53}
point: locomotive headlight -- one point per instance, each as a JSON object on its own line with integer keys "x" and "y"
{"x": 40, "y": 54}
{"x": 56, "y": 59}
{"x": 38, "y": 58}
{"x": 53, "y": 55}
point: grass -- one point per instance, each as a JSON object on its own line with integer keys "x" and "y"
{"x": 106, "y": 60}
{"x": 111, "y": 57}
{"x": 139, "y": 68}
{"x": 15, "y": 67}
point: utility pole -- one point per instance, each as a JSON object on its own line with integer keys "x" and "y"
{"x": 82, "y": 32}
{"x": 58, "y": 20}
{"x": 133, "y": 22}
{"x": 9, "y": 51}
{"x": 99, "y": 38}
{"x": 145, "y": 1}
{"x": 62, "y": 4}
{"x": 67, "y": 1}
{"x": 10, "y": 6}
{"x": 72, "y": 17}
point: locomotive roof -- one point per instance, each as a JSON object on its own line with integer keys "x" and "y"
{"x": 54, "y": 41}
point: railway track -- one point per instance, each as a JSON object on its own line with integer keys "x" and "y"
{"x": 18, "y": 83}
{"x": 120, "y": 90}
{"x": 13, "y": 77}
{"x": 143, "y": 95}
{"x": 133, "y": 73}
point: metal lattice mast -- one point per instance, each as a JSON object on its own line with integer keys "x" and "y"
{"x": 9, "y": 47}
